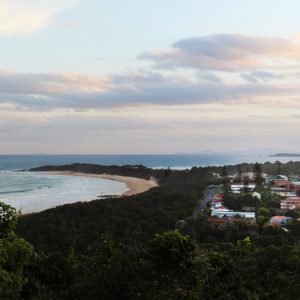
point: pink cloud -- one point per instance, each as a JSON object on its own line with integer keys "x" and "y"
{"x": 225, "y": 52}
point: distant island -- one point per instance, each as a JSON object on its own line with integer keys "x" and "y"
{"x": 285, "y": 155}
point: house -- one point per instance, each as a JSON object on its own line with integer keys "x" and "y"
{"x": 294, "y": 180}
{"x": 218, "y": 196}
{"x": 251, "y": 176}
{"x": 217, "y": 201}
{"x": 238, "y": 187}
{"x": 281, "y": 220}
{"x": 290, "y": 203}
{"x": 271, "y": 179}
{"x": 257, "y": 195}
{"x": 216, "y": 174}
{"x": 248, "y": 175}
{"x": 218, "y": 205}
{"x": 283, "y": 192}
{"x": 283, "y": 184}
{"x": 227, "y": 213}
{"x": 283, "y": 177}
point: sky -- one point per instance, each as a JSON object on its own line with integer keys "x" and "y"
{"x": 149, "y": 77}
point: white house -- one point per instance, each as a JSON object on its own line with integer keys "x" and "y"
{"x": 235, "y": 188}
{"x": 257, "y": 195}
{"x": 227, "y": 213}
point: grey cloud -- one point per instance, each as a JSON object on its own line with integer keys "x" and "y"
{"x": 225, "y": 52}
{"x": 140, "y": 77}
{"x": 51, "y": 83}
{"x": 79, "y": 123}
{"x": 134, "y": 130}
{"x": 209, "y": 76}
{"x": 49, "y": 91}
{"x": 222, "y": 46}
{"x": 99, "y": 133}
{"x": 249, "y": 78}
{"x": 255, "y": 76}
{"x": 266, "y": 75}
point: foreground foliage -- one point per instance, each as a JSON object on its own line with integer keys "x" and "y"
{"x": 15, "y": 255}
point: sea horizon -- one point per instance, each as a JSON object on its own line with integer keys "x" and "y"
{"x": 14, "y": 162}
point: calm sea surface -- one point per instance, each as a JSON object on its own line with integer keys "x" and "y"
{"x": 33, "y": 192}
{"x": 16, "y": 162}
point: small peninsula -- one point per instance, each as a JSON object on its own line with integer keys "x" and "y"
{"x": 285, "y": 155}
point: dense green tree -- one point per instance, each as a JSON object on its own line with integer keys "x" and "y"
{"x": 170, "y": 249}
{"x": 258, "y": 174}
{"x": 278, "y": 168}
{"x": 15, "y": 255}
{"x": 224, "y": 172}
{"x": 239, "y": 168}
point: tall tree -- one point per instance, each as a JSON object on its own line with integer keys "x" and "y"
{"x": 278, "y": 168}
{"x": 224, "y": 172}
{"x": 258, "y": 173}
{"x": 239, "y": 172}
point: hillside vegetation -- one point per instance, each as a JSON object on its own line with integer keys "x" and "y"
{"x": 135, "y": 248}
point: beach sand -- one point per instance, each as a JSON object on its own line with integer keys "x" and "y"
{"x": 134, "y": 185}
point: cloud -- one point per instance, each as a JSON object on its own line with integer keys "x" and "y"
{"x": 209, "y": 76}
{"x": 60, "y": 112}
{"x": 52, "y": 91}
{"x": 249, "y": 78}
{"x": 50, "y": 83}
{"x": 19, "y": 17}
{"x": 120, "y": 131}
{"x": 255, "y": 76}
{"x": 44, "y": 92}
{"x": 226, "y": 52}
{"x": 266, "y": 75}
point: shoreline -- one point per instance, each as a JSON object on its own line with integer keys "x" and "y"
{"x": 134, "y": 185}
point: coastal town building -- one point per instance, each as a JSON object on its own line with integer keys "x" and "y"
{"x": 227, "y": 213}
{"x": 217, "y": 201}
{"x": 248, "y": 175}
{"x": 257, "y": 195}
{"x": 290, "y": 203}
{"x": 271, "y": 179}
{"x": 284, "y": 193}
{"x": 295, "y": 181}
{"x": 282, "y": 184}
{"x": 237, "y": 188}
{"x": 281, "y": 220}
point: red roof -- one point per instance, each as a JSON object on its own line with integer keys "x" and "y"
{"x": 278, "y": 219}
{"x": 282, "y": 182}
{"x": 216, "y": 200}
{"x": 291, "y": 199}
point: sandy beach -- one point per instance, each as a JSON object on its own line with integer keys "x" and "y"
{"x": 134, "y": 185}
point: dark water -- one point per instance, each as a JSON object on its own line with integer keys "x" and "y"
{"x": 16, "y": 162}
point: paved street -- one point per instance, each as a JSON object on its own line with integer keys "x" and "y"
{"x": 208, "y": 194}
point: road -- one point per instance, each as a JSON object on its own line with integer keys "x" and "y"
{"x": 208, "y": 194}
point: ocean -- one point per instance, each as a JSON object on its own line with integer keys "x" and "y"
{"x": 17, "y": 162}
{"x": 33, "y": 192}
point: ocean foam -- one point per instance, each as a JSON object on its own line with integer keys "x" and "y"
{"x": 34, "y": 192}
